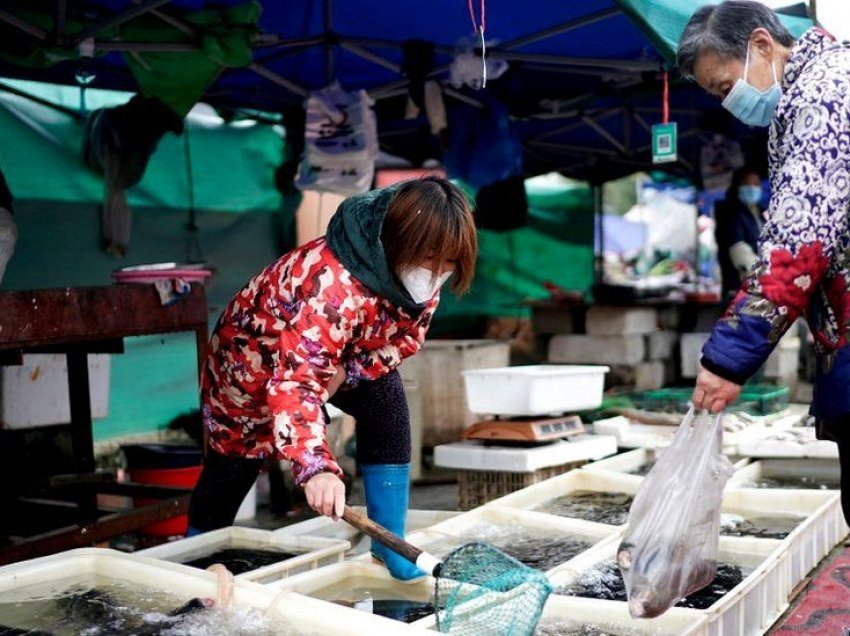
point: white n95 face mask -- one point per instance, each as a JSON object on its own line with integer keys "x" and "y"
{"x": 421, "y": 283}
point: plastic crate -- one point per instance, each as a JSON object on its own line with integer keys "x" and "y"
{"x": 93, "y": 566}
{"x": 755, "y": 399}
{"x": 329, "y": 582}
{"x": 747, "y": 475}
{"x": 613, "y": 618}
{"x": 479, "y": 487}
{"x": 581, "y": 479}
{"x": 311, "y": 552}
{"x": 747, "y": 610}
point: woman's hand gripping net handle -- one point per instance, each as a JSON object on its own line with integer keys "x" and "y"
{"x": 426, "y": 562}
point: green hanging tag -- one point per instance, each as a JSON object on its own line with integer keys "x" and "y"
{"x": 664, "y": 143}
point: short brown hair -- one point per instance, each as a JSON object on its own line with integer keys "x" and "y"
{"x": 431, "y": 218}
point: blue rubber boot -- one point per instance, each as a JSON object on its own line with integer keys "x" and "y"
{"x": 387, "y": 489}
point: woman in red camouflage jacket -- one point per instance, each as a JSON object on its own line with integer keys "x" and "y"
{"x": 331, "y": 321}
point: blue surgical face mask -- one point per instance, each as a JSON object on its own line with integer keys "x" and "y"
{"x": 749, "y": 194}
{"x": 749, "y": 104}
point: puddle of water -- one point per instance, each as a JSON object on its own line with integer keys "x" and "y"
{"x": 79, "y": 607}
{"x": 604, "y": 581}
{"x": 602, "y": 507}
{"x": 239, "y": 560}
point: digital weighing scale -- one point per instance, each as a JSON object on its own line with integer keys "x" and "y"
{"x": 527, "y": 430}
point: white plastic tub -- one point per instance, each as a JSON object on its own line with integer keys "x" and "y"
{"x": 567, "y": 611}
{"x": 747, "y": 610}
{"x": 581, "y": 479}
{"x": 327, "y": 528}
{"x": 535, "y": 389}
{"x": 813, "y": 470}
{"x": 813, "y": 538}
{"x": 311, "y": 552}
{"x": 489, "y": 523}
{"x": 292, "y": 613}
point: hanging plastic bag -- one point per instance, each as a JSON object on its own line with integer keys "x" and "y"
{"x": 670, "y": 546}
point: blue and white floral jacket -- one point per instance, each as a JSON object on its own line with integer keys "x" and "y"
{"x": 803, "y": 267}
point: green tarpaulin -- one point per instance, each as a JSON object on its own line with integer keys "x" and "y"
{"x": 232, "y": 165}
{"x": 663, "y": 21}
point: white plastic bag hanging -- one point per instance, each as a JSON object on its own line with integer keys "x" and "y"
{"x": 669, "y": 549}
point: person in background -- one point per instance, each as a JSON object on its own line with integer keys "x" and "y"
{"x": 739, "y": 221}
{"x": 8, "y": 228}
{"x": 332, "y": 320}
{"x": 740, "y": 51}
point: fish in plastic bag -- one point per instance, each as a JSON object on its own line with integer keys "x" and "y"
{"x": 669, "y": 549}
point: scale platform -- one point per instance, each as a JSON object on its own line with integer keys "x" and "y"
{"x": 526, "y": 430}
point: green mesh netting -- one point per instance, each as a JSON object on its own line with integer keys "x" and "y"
{"x": 481, "y": 591}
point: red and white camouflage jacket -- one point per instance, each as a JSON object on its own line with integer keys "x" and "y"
{"x": 275, "y": 348}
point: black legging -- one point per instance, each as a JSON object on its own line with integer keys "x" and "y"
{"x": 383, "y": 437}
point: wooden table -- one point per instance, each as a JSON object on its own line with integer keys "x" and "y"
{"x": 77, "y": 322}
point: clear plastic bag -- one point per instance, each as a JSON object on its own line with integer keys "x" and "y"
{"x": 669, "y": 549}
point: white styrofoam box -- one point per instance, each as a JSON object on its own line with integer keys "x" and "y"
{"x": 661, "y": 345}
{"x": 635, "y": 435}
{"x": 469, "y": 526}
{"x": 782, "y": 363}
{"x": 95, "y": 566}
{"x": 579, "y": 479}
{"x": 312, "y": 552}
{"x": 437, "y": 367}
{"x": 581, "y": 349}
{"x": 534, "y": 389}
{"x": 813, "y": 538}
{"x": 630, "y": 461}
{"x": 36, "y": 392}
{"x": 649, "y": 375}
{"x": 785, "y": 359}
{"x": 620, "y": 321}
{"x": 329, "y": 583}
{"x": 747, "y": 610}
{"x": 625, "y": 462}
{"x": 631, "y": 435}
{"x": 480, "y": 455}
{"x": 552, "y": 320}
{"x": 775, "y": 442}
{"x": 326, "y": 527}
{"x": 691, "y": 352}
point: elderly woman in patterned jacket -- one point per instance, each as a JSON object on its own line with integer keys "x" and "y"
{"x": 331, "y": 321}
{"x": 740, "y": 52}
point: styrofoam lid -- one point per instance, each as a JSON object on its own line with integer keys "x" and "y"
{"x": 540, "y": 369}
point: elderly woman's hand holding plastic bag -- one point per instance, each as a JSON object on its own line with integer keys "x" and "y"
{"x": 670, "y": 546}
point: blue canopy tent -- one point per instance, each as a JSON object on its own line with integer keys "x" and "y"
{"x": 583, "y": 86}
